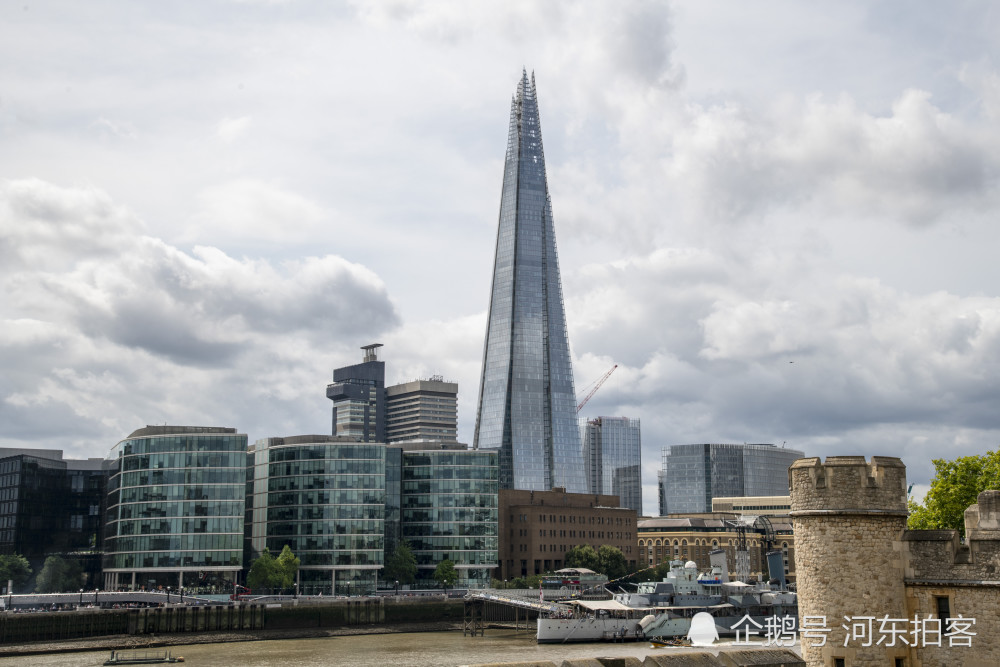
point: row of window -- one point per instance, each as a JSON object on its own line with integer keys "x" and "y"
{"x": 179, "y": 525}
{"x": 449, "y": 486}
{"x": 208, "y": 542}
{"x": 337, "y": 451}
{"x": 486, "y": 557}
{"x": 448, "y": 515}
{"x": 325, "y": 512}
{"x": 307, "y": 558}
{"x": 195, "y": 508}
{"x": 341, "y": 497}
{"x": 442, "y": 459}
{"x": 205, "y": 475}
{"x": 200, "y": 459}
{"x": 326, "y": 467}
{"x": 312, "y": 528}
{"x": 180, "y": 443}
{"x": 450, "y": 529}
{"x": 486, "y": 500}
{"x": 436, "y": 473}
{"x": 591, "y": 534}
{"x": 452, "y": 543}
{"x": 657, "y": 542}
{"x": 303, "y": 543}
{"x": 130, "y": 561}
{"x": 310, "y": 482}
{"x": 141, "y": 494}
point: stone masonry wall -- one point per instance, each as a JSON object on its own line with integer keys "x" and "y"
{"x": 855, "y": 558}
{"x": 938, "y": 565}
{"x": 848, "y": 516}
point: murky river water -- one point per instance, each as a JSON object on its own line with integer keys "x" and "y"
{"x": 427, "y": 649}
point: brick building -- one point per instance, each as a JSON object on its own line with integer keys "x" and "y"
{"x": 537, "y": 528}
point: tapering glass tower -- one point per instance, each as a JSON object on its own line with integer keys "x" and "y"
{"x": 527, "y": 405}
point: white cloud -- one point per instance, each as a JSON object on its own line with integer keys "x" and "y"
{"x": 232, "y": 129}
{"x": 256, "y": 210}
{"x": 105, "y": 341}
{"x": 733, "y": 190}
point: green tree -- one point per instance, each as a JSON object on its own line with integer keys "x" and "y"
{"x": 14, "y": 567}
{"x": 582, "y": 556}
{"x": 287, "y": 566}
{"x": 59, "y": 575}
{"x": 446, "y": 574}
{"x": 263, "y": 572}
{"x": 611, "y": 561}
{"x": 956, "y": 485}
{"x": 401, "y": 565}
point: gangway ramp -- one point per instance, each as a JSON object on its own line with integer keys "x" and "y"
{"x": 492, "y": 606}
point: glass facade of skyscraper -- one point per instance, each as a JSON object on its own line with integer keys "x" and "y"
{"x": 527, "y": 403}
{"x": 612, "y": 449}
{"x": 694, "y": 474}
{"x": 358, "y": 395}
{"x": 51, "y": 506}
{"x": 449, "y": 510}
{"x": 175, "y": 503}
{"x": 323, "y": 496}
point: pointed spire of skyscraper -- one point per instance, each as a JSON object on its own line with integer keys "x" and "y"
{"x": 527, "y": 404}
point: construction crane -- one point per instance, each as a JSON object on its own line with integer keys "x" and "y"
{"x": 597, "y": 386}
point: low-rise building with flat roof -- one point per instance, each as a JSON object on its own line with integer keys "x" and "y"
{"x": 754, "y": 505}
{"x": 537, "y": 528}
{"x": 695, "y": 536}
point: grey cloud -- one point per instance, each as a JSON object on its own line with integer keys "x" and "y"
{"x": 107, "y": 342}
{"x": 42, "y": 225}
{"x": 916, "y": 165}
{"x": 849, "y": 365}
{"x": 192, "y": 308}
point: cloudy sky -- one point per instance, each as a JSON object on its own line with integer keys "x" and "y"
{"x": 778, "y": 218}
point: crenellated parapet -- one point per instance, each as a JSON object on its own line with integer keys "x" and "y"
{"x": 848, "y": 485}
{"x": 940, "y": 555}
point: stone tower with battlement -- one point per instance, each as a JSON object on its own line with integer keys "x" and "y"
{"x": 849, "y": 515}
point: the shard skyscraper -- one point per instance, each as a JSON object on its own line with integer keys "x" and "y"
{"x": 527, "y": 404}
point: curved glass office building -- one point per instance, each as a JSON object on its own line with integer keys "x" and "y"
{"x": 175, "y": 506}
{"x": 324, "y": 496}
{"x": 449, "y": 510}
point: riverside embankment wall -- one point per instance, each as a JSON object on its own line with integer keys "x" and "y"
{"x": 25, "y": 628}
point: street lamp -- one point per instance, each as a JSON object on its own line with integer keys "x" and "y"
{"x": 181, "y": 589}
{"x": 397, "y": 587}
{"x": 505, "y": 584}
{"x": 296, "y": 590}
{"x": 81, "y": 597}
{"x": 168, "y": 594}
{"x": 96, "y": 591}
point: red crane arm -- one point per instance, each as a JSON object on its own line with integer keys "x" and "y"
{"x": 596, "y": 387}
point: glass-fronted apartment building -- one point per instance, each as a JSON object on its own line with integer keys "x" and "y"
{"x": 527, "y": 403}
{"x": 175, "y": 509}
{"x": 324, "y": 496}
{"x": 694, "y": 474}
{"x": 612, "y": 450}
{"x": 51, "y": 506}
{"x": 448, "y": 509}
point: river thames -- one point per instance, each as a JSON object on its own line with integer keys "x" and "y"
{"x": 424, "y": 649}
